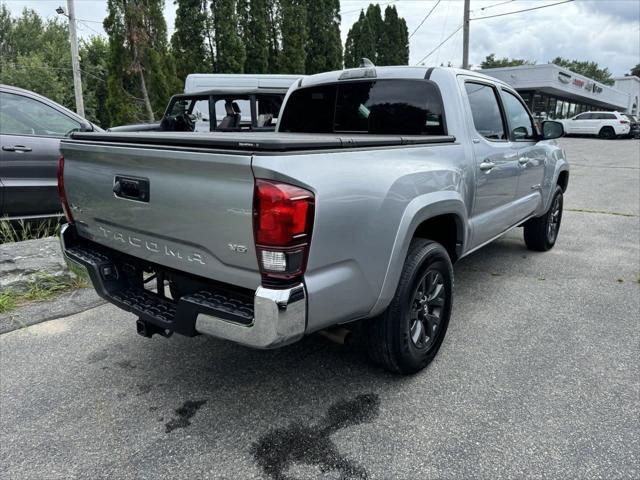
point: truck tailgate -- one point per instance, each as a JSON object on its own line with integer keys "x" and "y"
{"x": 196, "y": 216}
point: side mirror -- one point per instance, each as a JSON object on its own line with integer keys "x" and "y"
{"x": 551, "y": 130}
{"x": 86, "y": 126}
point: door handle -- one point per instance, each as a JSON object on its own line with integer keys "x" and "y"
{"x": 523, "y": 160}
{"x": 16, "y": 148}
{"x": 486, "y": 166}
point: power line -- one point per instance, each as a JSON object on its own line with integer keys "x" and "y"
{"x": 87, "y": 26}
{"x": 424, "y": 19}
{"x": 520, "y": 11}
{"x": 441, "y": 43}
{"x": 497, "y": 4}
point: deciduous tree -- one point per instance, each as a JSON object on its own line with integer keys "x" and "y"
{"x": 490, "y": 61}
{"x": 586, "y": 68}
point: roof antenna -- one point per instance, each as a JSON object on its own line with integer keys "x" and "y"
{"x": 366, "y": 63}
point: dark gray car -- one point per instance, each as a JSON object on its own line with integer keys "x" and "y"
{"x": 31, "y": 127}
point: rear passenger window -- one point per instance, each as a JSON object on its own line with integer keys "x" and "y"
{"x": 485, "y": 111}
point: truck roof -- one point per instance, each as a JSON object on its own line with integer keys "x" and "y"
{"x": 401, "y": 71}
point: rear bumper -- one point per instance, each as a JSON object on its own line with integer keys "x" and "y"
{"x": 270, "y": 319}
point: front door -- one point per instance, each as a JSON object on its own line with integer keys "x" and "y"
{"x": 496, "y": 162}
{"x": 30, "y": 134}
{"x": 531, "y": 156}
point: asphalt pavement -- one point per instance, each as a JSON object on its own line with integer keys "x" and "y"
{"x": 538, "y": 376}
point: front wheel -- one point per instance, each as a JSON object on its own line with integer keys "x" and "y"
{"x": 541, "y": 233}
{"x": 407, "y": 335}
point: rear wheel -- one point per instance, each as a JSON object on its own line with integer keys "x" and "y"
{"x": 541, "y": 233}
{"x": 408, "y": 334}
{"x": 607, "y": 133}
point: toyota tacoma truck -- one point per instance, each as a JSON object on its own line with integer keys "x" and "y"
{"x": 375, "y": 181}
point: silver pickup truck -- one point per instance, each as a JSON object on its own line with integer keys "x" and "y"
{"x": 352, "y": 212}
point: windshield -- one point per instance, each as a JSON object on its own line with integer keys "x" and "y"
{"x": 384, "y": 107}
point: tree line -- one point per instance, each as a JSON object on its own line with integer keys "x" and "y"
{"x": 130, "y": 76}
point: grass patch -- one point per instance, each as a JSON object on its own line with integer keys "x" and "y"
{"x": 20, "y": 230}
{"x": 42, "y": 288}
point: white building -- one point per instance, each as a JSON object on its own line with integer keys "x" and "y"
{"x": 552, "y": 91}
{"x": 630, "y": 85}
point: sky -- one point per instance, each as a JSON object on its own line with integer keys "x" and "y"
{"x": 604, "y": 31}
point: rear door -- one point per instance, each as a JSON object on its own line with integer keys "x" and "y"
{"x": 531, "y": 156}
{"x": 30, "y": 134}
{"x": 496, "y": 161}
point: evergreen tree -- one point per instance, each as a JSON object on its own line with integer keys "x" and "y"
{"x": 141, "y": 71}
{"x": 324, "y": 47}
{"x": 384, "y": 42}
{"x": 255, "y": 37}
{"x": 376, "y": 27}
{"x": 93, "y": 63}
{"x": 394, "y": 41}
{"x": 361, "y": 42}
{"x": 188, "y": 40}
{"x": 274, "y": 20}
{"x": 294, "y": 36}
{"x": 230, "y": 52}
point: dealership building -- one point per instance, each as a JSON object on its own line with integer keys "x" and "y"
{"x": 551, "y": 91}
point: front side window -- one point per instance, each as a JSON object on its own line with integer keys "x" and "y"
{"x": 485, "y": 111}
{"x": 383, "y": 107}
{"x": 583, "y": 116}
{"x": 522, "y": 128}
{"x": 21, "y": 115}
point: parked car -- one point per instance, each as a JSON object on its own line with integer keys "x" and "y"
{"x": 31, "y": 127}
{"x": 240, "y": 109}
{"x": 634, "y": 126}
{"x": 607, "y": 125}
{"x": 351, "y": 213}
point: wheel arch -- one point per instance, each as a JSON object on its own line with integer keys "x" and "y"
{"x": 438, "y": 216}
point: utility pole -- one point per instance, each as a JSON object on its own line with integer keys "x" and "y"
{"x": 465, "y": 36}
{"x": 75, "y": 60}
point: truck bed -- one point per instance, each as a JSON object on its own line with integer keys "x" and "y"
{"x": 258, "y": 141}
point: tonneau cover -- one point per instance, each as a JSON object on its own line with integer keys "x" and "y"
{"x": 259, "y": 141}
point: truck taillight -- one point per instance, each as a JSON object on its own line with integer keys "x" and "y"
{"x": 63, "y": 195}
{"x": 624, "y": 122}
{"x": 282, "y": 224}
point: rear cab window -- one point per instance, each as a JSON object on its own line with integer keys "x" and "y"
{"x": 382, "y": 107}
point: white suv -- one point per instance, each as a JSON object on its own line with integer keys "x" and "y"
{"x": 607, "y": 125}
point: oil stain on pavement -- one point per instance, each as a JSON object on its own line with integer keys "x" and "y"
{"x": 184, "y": 414}
{"x": 280, "y": 448}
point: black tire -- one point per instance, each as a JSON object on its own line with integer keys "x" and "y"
{"x": 607, "y": 133}
{"x": 398, "y": 339}
{"x": 541, "y": 233}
